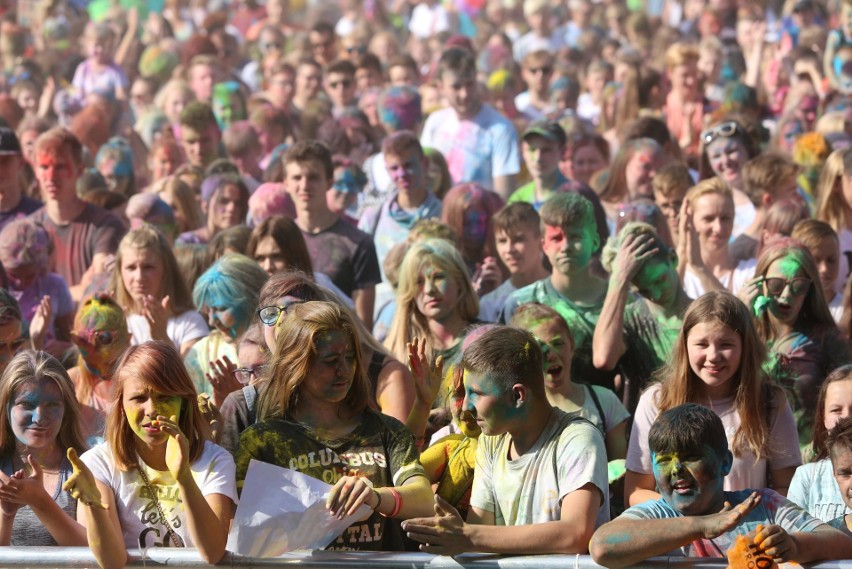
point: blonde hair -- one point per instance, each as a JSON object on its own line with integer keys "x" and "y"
{"x": 831, "y": 205}
{"x": 173, "y": 285}
{"x": 681, "y": 54}
{"x": 408, "y": 322}
{"x": 714, "y": 185}
{"x": 295, "y": 352}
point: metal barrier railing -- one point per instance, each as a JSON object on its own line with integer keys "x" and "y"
{"x": 81, "y": 557}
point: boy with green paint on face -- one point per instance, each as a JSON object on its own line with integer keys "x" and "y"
{"x": 569, "y": 240}
{"x": 540, "y": 477}
{"x": 542, "y": 146}
{"x": 694, "y": 516}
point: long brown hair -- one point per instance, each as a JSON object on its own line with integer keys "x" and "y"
{"x": 295, "y": 352}
{"x": 27, "y": 365}
{"x": 160, "y": 365}
{"x": 679, "y": 384}
{"x": 289, "y": 239}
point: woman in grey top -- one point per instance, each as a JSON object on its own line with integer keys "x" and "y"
{"x": 41, "y": 421}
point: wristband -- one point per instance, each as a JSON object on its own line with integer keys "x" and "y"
{"x": 397, "y": 503}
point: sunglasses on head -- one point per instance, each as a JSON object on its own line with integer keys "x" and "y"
{"x": 726, "y": 129}
{"x": 776, "y": 285}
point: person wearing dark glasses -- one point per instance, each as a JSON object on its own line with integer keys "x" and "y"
{"x": 101, "y": 336}
{"x": 725, "y": 148}
{"x": 793, "y": 319}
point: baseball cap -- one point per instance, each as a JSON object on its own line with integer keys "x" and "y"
{"x": 548, "y": 129}
{"x": 9, "y": 142}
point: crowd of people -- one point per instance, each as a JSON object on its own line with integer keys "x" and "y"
{"x": 522, "y": 277}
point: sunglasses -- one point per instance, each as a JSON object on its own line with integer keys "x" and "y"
{"x": 726, "y": 129}
{"x": 245, "y": 374}
{"x": 96, "y": 337}
{"x": 776, "y": 285}
{"x": 269, "y": 315}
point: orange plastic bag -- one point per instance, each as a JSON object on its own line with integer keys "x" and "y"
{"x": 745, "y": 554}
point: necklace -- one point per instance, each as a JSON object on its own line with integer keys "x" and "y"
{"x": 176, "y": 539}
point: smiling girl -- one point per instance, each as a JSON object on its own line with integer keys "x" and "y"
{"x": 703, "y": 250}
{"x": 716, "y": 363}
{"x": 147, "y": 283}
{"x": 156, "y": 481}
{"x": 42, "y": 421}
{"x": 793, "y": 320}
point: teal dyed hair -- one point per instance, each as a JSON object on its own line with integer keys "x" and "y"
{"x": 234, "y": 281}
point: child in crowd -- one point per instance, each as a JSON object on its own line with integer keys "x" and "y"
{"x": 695, "y": 517}
{"x": 670, "y": 186}
{"x": 821, "y": 240}
{"x": 813, "y": 486}
{"x": 525, "y": 444}
{"x": 839, "y": 445}
{"x": 517, "y": 233}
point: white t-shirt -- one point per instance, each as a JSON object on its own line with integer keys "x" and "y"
{"x": 426, "y": 21}
{"x": 836, "y": 307}
{"x": 746, "y": 472}
{"x": 214, "y": 473}
{"x": 569, "y": 454}
{"x": 478, "y": 149}
{"x": 181, "y": 328}
{"x": 732, "y": 281}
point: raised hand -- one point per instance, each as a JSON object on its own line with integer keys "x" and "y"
{"x": 157, "y": 315}
{"x": 633, "y": 252}
{"x": 427, "y": 379}
{"x": 222, "y": 379}
{"x": 40, "y": 321}
{"x": 177, "y": 447}
{"x": 728, "y": 518}
{"x": 81, "y": 484}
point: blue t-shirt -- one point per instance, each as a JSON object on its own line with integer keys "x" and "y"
{"x": 772, "y": 509}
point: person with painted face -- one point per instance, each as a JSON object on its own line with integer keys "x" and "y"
{"x": 793, "y": 320}
{"x": 316, "y": 402}
{"x": 697, "y": 517}
{"x": 147, "y": 283}
{"x": 716, "y": 361}
{"x": 41, "y": 422}
{"x": 642, "y": 329}
{"x": 101, "y": 336}
{"x": 725, "y": 148}
{"x": 227, "y": 294}
{"x": 540, "y": 483}
{"x": 156, "y": 481}
{"x": 224, "y": 198}
{"x": 597, "y": 404}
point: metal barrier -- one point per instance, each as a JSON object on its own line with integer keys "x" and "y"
{"x": 68, "y": 557}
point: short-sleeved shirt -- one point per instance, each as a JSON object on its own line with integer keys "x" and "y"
{"x": 733, "y": 281}
{"x": 93, "y": 232}
{"x": 746, "y": 471}
{"x": 814, "y": 489}
{"x": 184, "y": 327}
{"x": 346, "y": 254}
{"x": 28, "y": 529}
{"x": 773, "y": 509}
{"x": 581, "y": 320}
{"x": 492, "y": 303}
{"x": 478, "y": 149}
{"x": 611, "y": 412}
{"x": 25, "y": 207}
{"x": 380, "y": 449}
{"x": 106, "y": 81}
{"x": 141, "y": 525}
{"x": 569, "y": 454}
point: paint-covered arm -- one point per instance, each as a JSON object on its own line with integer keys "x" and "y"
{"x": 608, "y": 344}
{"x": 628, "y": 540}
{"x": 416, "y": 495}
{"x": 395, "y": 390}
{"x": 447, "y": 534}
{"x": 365, "y": 299}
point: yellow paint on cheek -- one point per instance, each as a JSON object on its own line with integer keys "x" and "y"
{"x": 135, "y": 417}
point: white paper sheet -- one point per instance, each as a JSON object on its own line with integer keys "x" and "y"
{"x": 282, "y": 510}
